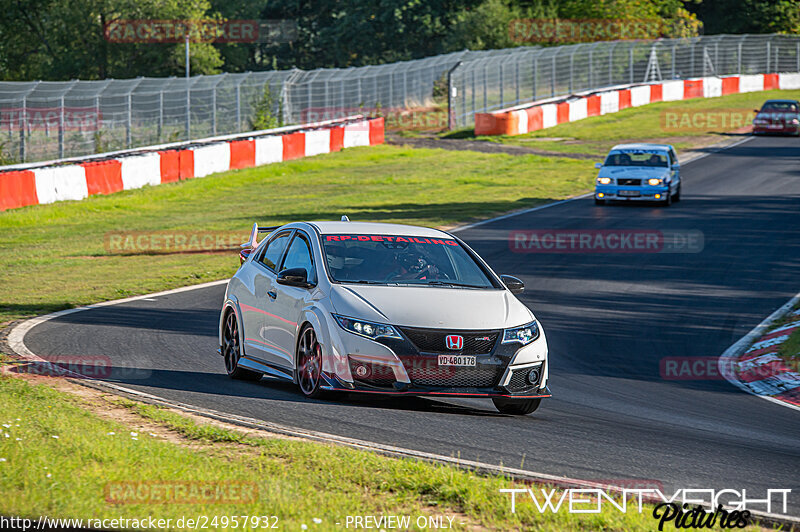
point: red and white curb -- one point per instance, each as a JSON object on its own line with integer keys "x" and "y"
{"x": 547, "y": 113}
{"x": 752, "y": 365}
{"x": 79, "y": 178}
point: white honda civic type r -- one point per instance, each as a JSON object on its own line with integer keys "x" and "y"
{"x": 384, "y": 309}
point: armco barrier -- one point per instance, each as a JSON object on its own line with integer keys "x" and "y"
{"x": 548, "y": 113}
{"x": 76, "y": 179}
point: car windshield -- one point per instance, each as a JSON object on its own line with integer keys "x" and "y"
{"x": 393, "y": 259}
{"x": 637, "y": 158}
{"x": 779, "y": 107}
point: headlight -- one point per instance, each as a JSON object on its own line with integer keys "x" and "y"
{"x": 524, "y": 335}
{"x": 654, "y": 181}
{"x": 604, "y": 180}
{"x": 367, "y": 328}
{"x": 794, "y": 121}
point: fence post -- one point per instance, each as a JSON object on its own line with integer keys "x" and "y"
{"x": 405, "y": 87}
{"x": 571, "y": 69}
{"x": 160, "y": 113}
{"x": 630, "y": 63}
{"x": 238, "y": 107}
{"x": 536, "y": 75}
{"x": 61, "y": 130}
{"x": 214, "y": 110}
{"x": 769, "y": 55}
{"x": 553, "y": 77}
{"x": 472, "y": 69}
{"x": 23, "y": 119}
{"x": 451, "y": 97}
{"x": 128, "y": 120}
{"x": 516, "y": 81}
{"x": 485, "y": 101}
{"x": 502, "y": 84}
{"x": 674, "y": 50}
{"x": 591, "y": 66}
{"x": 188, "y": 111}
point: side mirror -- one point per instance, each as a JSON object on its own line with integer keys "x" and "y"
{"x": 294, "y": 277}
{"x": 514, "y": 284}
{"x": 598, "y": 165}
{"x": 756, "y": 111}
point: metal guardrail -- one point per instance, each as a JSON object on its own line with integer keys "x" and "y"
{"x": 41, "y": 120}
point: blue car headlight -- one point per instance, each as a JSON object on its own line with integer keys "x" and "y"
{"x": 367, "y": 328}
{"x": 523, "y": 335}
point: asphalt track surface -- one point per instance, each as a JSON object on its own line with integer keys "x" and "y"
{"x": 610, "y": 318}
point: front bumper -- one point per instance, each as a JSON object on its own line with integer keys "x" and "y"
{"x": 781, "y": 130}
{"x": 411, "y": 367}
{"x": 618, "y": 193}
{"x": 333, "y": 383}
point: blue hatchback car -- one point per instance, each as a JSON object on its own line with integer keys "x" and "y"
{"x": 639, "y": 172}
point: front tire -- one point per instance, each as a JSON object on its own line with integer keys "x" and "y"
{"x": 232, "y": 351}
{"x": 516, "y": 407}
{"x": 677, "y": 197}
{"x": 309, "y": 363}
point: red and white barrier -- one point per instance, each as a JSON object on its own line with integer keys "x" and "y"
{"x": 20, "y": 186}
{"x": 541, "y": 115}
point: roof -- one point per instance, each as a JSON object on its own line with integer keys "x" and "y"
{"x": 369, "y": 228}
{"x": 779, "y": 100}
{"x": 641, "y": 146}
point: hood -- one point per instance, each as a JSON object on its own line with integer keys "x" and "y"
{"x": 777, "y": 115}
{"x": 634, "y": 172}
{"x": 430, "y": 307}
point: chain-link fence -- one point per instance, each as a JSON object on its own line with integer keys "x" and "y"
{"x": 487, "y": 84}
{"x": 43, "y": 120}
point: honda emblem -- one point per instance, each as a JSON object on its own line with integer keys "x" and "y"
{"x": 454, "y": 342}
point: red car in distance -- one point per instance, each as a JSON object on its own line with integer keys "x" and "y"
{"x": 777, "y": 117}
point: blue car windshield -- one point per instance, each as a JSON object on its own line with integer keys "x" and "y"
{"x": 637, "y": 158}
{"x": 402, "y": 259}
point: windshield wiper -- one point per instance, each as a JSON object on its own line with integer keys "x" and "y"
{"x": 438, "y": 282}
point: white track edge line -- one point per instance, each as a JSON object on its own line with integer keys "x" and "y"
{"x": 734, "y": 351}
{"x": 16, "y": 343}
{"x": 588, "y": 194}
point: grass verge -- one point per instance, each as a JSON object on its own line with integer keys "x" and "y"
{"x": 57, "y": 256}
{"x": 64, "y": 461}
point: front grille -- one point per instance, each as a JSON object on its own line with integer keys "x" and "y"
{"x": 425, "y": 371}
{"x": 629, "y": 182}
{"x": 519, "y": 379}
{"x": 433, "y": 340}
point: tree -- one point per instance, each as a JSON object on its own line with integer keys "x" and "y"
{"x": 64, "y": 39}
{"x": 748, "y": 16}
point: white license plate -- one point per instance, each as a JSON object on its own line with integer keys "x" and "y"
{"x": 632, "y": 193}
{"x": 456, "y": 360}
